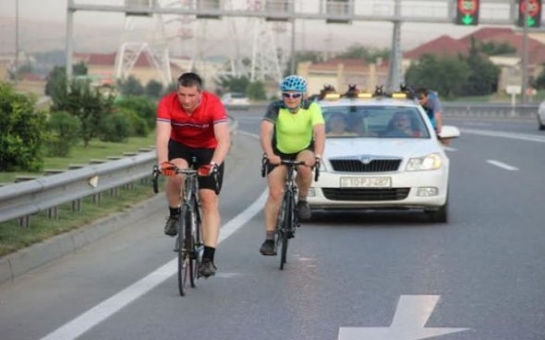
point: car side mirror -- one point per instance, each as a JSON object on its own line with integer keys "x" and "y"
{"x": 449, "y": 132}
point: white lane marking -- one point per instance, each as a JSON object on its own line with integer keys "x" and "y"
{"x": 468, "y": 123}
{"x": 411, "y": 315}
{"x": 502, "y": 165}
{"x": 114, "y": 304}
{"x": 448, "y": 148}
{"x": 512, "y": 135}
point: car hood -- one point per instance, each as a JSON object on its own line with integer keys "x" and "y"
{"x": 387, "y": 147}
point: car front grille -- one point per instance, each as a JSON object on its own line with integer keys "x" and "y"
{"x": 355, "y": 165}
{"x": 365, "y": 194}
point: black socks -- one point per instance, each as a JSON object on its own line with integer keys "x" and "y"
{"x": 208, "y": 253}
{"x": 175, "y": 211}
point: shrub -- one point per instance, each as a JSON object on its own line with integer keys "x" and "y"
{"x": 145, "y": 108}
{"x": 65, "y": 132}
{"x": 139, "y": 128}
{"x": 115, "y": 128}
{"x": 22, "y": 133}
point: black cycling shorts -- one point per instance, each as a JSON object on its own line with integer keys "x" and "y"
{"x": 202, "y": 156}
{"x": 290, "y": 156}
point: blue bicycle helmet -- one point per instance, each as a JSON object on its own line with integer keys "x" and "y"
{"x": 294, "y": 83}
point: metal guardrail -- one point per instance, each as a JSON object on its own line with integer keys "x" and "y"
{"x": 490, "y": 110}
{"x": 23, "y": 199}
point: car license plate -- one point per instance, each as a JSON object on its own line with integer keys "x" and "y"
{"x": 366, "y": 182}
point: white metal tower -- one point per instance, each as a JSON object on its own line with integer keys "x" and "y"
{"x": 266, "y": 63}
{"x": 154, "y": 47}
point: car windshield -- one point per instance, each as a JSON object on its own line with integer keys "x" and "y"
{"x": 374, "y": 121}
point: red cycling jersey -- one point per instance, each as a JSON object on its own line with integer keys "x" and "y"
{"x": 195, "y": 130}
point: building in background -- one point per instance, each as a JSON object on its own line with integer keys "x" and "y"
{"x": 342, "y": 72}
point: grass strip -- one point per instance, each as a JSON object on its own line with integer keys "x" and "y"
{"x": 14, "y": 237}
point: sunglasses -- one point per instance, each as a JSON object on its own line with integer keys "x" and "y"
{"x": 291, "y": 95}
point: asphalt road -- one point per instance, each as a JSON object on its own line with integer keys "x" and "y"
{"x": 349, "y": 275}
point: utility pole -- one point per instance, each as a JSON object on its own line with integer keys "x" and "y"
{"x": 69, "y": 49}
{"x": 292, "y": 65}
{"x": 524, "y": 56}
{"x": 16, "y": 41}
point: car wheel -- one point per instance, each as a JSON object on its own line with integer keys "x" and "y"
{"x": 540, "y": 124}
{"x": 439, "y": 215}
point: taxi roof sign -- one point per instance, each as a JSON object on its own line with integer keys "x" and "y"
{"x": 332, "y": 96}
{"x": 365, "y": 95}
{"x": 399, "y": 95}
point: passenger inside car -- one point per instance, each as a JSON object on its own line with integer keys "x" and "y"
{"x": 336, "y": 126}
{"x": 402, "y": 124}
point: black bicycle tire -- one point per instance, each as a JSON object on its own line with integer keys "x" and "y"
{"x": 182, "y": 254}
{"x": 190, "y": 248}
{"x": 287, "y": 220}
{"x": 198, "y": 238}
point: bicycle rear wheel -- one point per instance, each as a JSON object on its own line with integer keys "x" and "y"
{"x": 198, "y": 245}
{"x": 285, "y": 228}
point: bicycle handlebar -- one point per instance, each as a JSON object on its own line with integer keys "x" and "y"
{"x": 290, "y": 162}
{"x": 188, "y": 172}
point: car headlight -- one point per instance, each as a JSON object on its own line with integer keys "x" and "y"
{"x": 429, "y": 162}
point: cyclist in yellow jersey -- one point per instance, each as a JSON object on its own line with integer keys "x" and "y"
{"x": 293, "y": 128}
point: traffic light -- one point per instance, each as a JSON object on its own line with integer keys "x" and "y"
{"x": 533, "y": 13}
{"x": 467, "y": 12}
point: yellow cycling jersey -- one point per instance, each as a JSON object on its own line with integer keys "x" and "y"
{"x": 293, "y": 132}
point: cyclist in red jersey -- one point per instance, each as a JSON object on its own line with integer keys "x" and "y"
{"x": 193, "y": 124}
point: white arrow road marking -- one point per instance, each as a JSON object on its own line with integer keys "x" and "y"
{"x": 502, "y": 165}
{"x": 412, "y": 313}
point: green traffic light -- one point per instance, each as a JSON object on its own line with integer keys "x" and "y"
{"x": 467, "y": 19}
{"x": 530, "y": 21}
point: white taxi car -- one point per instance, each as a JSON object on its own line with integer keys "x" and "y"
{"x": 382, "y": 153}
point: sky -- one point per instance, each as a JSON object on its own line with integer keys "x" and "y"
{"x": 219, "y": 35}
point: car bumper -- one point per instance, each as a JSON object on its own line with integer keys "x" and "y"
{"x": 409, "y": 190}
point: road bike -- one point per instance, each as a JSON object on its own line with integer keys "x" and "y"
{"x": 189, "y": 244}
{"x": 287, "y": 221}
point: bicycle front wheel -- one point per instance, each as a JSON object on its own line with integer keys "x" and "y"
{"x": 283, "y": 234}
{"x": 184, "y": 246}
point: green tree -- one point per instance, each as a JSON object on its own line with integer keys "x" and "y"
{"x": 144, "y": 107}
{"x": 483, "y": 77}
{"x": 256, "y": 91}
{"x": 357, "y": 51}
{"x": 131, "y": 87}
{"x": 153, "y": 89}
{"x": 234, "y": 84}
{"x": 493, "y": 48}
{"x": 22, "y": 133}
{"x": 446, "y": 75}
{"x": 64, "y": 133}
{"x": 56, "y": 80}
{"x": 86, "y": 103}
